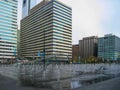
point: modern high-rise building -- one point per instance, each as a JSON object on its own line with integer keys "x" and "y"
{"x": 47, "y": 28}
{"x": 88, "y": 47}
{"x": 8, "y": 28}
{"x": 26, "y": 6}
{"x": 109, "y": 47}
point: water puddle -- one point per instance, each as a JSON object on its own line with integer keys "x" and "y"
{"x": 72, "y": 83}
{"x": 77, "y": 82}
{"x": 95, "y": 80}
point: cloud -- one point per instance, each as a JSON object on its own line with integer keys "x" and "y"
{"x": 110, "y": 20}
{"x": 86, "y": 18}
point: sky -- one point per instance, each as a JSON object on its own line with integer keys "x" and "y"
{"x": 91, "y": 17}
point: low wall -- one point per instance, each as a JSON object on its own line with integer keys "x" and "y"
{"x": 10, "y": 71}
{"x": 57, "y": 71}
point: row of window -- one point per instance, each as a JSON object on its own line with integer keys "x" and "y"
{"x": 62, "y": 6}
{"x": 39, "y": 24}
{"x": 62, "y": 19}
{"x": 39, "y": 21}
{"x": 7, "y": 45}
{"x": 41, "y": 17}
{"x": 31, "y": 52}
{"x": 9, "y": 19}
{"x": 38, "y": 33}
{"x": 6, "y": 26}
{"x": 38, "y": 13}
{"x": 4, "y": 9}
{"x": 8, "y": 36}
{"x": 7, "y": 32}
{"x": 41, "y": 42}
{"x": 41, "y": 33}
{"x": 13, "y": 17}
{"x": 62, "y": 33}
{"x": 10, "y": 13}
{"x": 8, "y": 23}
{"x": 11, "y": 3}
{"x": 7, "y": 40}
{"x": 62, "y": 13}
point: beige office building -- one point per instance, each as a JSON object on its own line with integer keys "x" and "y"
{"x": 47, "y": 28}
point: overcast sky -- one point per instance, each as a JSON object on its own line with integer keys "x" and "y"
{"x": 91, "y": 17}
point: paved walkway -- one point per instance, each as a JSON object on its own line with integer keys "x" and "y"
{"x": 10, "y": 84}
{"x": 112, "y": 84}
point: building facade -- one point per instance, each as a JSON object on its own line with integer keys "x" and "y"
{"x": 109, "y": 47}
{"x": 88, "y": 47}
{"x": 8, "y": 28}
{"x": 75, "y": 53}
{"x": 47, "y": 28}
{"x": 18, "y": 43}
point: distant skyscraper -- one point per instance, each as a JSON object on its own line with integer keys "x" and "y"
{"x": 75, "y": 53}
{"x": 88, "y": 47}
{"x": 109, "y": 47}
{"x": 49, "y": 26}
{"x": 8, "y": 28}
{"x": 26, "y": 6}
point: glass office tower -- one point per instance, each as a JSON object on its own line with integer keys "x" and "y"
{"x": 8, "y": 28}
{"x": 109, "y": 47}
{"x": 26, "y": 6}
{"x": 49, "y": 26}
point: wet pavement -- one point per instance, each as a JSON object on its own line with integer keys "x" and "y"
{"x": 10, "y": 84}
{"x": 112, "y": 84}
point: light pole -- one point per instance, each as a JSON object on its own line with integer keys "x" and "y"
{"x": 38, "y": 54}
{"x": 44, "y": 50}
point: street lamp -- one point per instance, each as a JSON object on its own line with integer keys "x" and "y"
{"x": 44, "y": 50}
